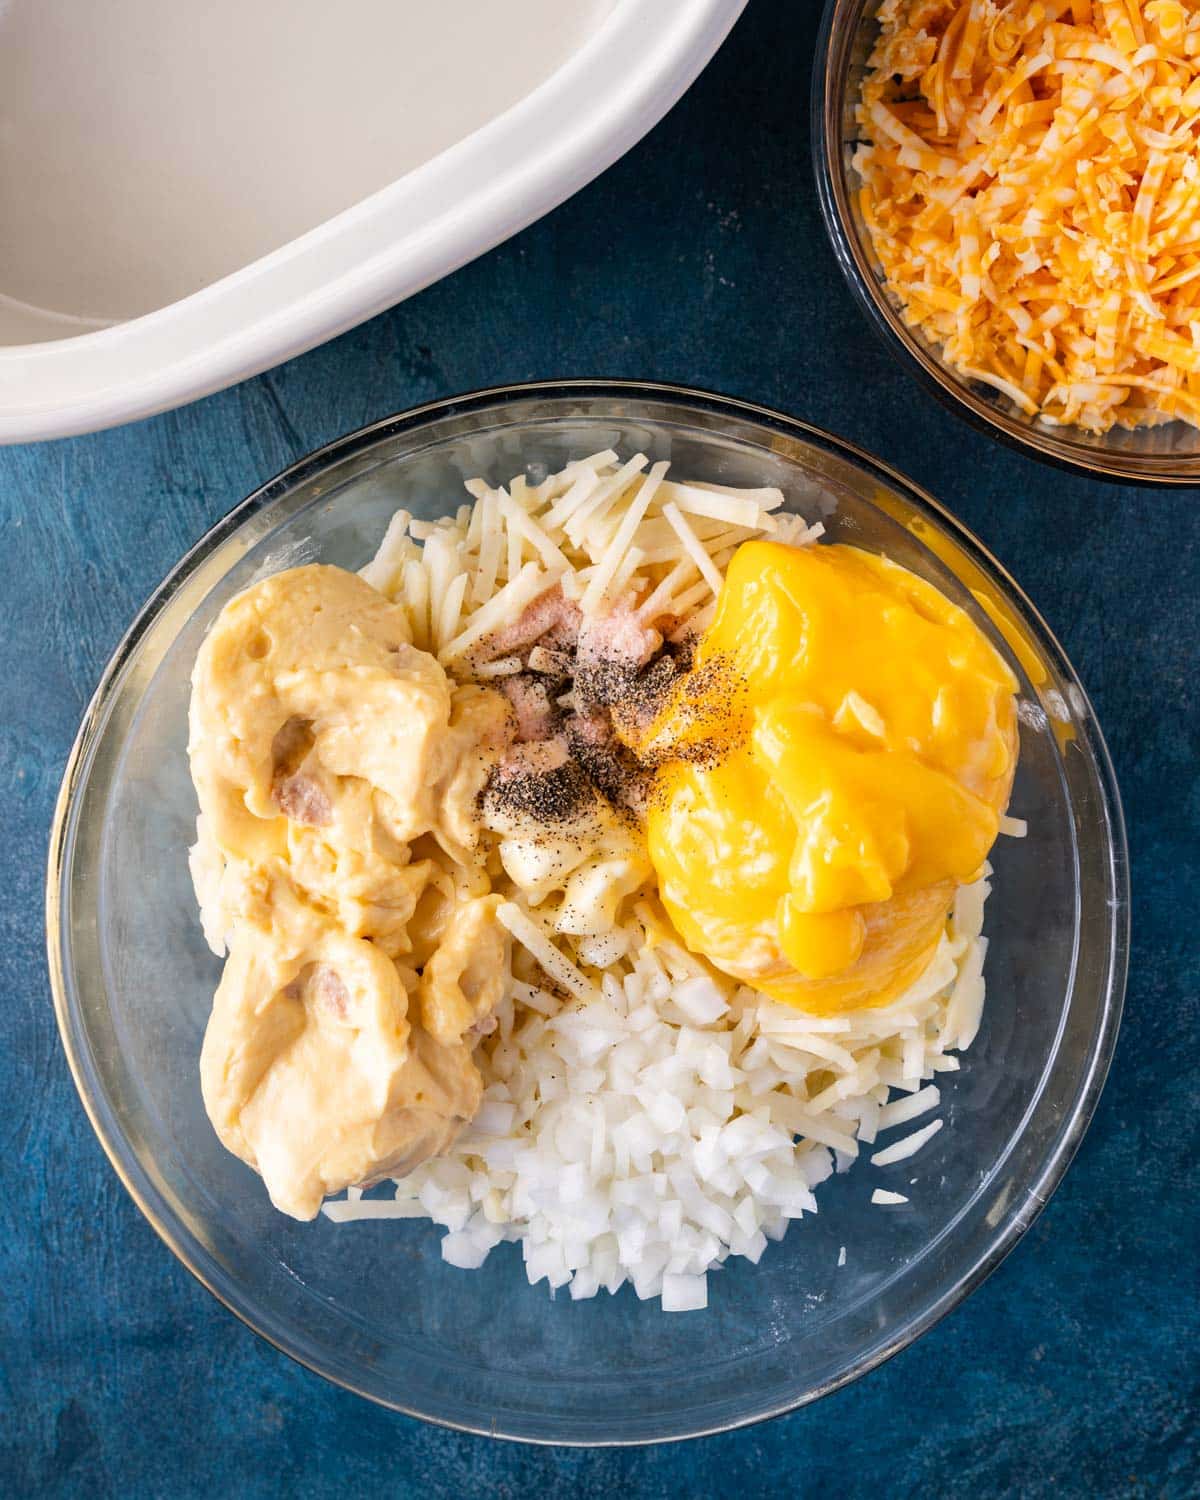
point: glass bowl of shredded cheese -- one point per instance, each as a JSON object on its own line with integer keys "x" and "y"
{"x": 390, "y": 1305}
{"x": 1012, "y": 192}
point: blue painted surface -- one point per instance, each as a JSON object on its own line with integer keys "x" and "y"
{"x": 699, "y": 258}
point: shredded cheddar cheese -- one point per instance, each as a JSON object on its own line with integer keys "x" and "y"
{"x": 1031, "y": 186}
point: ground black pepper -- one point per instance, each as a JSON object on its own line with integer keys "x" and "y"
{"x": 614, "y": 700}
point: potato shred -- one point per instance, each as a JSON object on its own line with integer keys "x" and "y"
{"x": 1031, "y": 188}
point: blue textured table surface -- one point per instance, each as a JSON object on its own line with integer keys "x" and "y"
{"x": 699, "y": 258}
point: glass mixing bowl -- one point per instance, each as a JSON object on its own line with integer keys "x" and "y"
{"x": 1164, "y": 455}
{"x": 372, "y": 1305}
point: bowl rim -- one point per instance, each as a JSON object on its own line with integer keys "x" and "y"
{"x": 1035, "y": 1194}
{"x": 1145, "y": 471}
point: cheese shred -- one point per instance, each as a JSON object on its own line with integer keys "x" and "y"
{"x": 1031, "y": 187}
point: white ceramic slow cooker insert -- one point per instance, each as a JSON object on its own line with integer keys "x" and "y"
{"x": 194, "y": 193}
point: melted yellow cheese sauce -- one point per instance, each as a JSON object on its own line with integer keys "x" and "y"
{"x": 837, "y": 763}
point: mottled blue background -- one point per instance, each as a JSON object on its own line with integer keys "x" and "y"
{"x": 699, "y": 258}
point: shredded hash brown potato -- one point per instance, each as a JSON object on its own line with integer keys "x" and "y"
{"x": 604, "y": 531}
{"x": 1031, "y": 187}
{"x": 645, "y": 1116}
